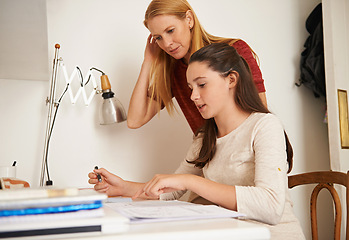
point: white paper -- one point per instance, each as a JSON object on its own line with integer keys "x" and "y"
{"x": 155, "y": 211}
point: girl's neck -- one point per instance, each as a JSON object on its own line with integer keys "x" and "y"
{"x": 228, "y": 123}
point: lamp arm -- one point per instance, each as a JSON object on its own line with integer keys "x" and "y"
{"x": 51, "y": 103}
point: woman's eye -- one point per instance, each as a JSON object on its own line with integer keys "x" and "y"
{"x": 202, "y": 85}
{"x": 158, "y": 38}
{"x": 170, "y": 31}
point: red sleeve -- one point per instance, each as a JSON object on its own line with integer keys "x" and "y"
{"x": 245, "y": 51}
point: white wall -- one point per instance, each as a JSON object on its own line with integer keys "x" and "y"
{"x": 27, "y": 35}
{"x": 110, "y": 35}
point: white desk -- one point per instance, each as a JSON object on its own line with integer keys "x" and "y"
{"x": 117, "y": 227}
{"x": 209, "y": 228}
{"x": 197, "y": 229}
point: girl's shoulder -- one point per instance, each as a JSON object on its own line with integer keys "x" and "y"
{"x": 259, "y": 116}
{"x": 257, "y": 122}
{"x": 266, "y": 121}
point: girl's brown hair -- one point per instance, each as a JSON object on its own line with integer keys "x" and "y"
{"x": 224, "y": 59}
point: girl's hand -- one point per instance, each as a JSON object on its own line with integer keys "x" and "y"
{"x": 151, "y": 49}
{"x": 111, "y": 184}
{"x": 162, "y": 183}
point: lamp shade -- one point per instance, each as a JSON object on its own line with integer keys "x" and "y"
{"x": 111, "y": 110}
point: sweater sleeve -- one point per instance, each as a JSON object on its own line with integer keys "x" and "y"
{"x": 186, "y": 168}
{"x": 265, "y": 200}
{"x": 245, "y": 51}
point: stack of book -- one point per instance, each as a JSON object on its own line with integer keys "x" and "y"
{"x": 33, "y": 212}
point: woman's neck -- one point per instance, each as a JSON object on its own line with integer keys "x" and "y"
{"x": 186, "y": 58}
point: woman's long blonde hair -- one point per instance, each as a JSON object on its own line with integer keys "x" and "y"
{"x": 163, "y": 65}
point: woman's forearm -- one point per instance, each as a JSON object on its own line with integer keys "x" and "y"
{"x": 138, "y": 111}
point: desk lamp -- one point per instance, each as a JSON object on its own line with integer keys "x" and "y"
{"x": 111, "y": 111}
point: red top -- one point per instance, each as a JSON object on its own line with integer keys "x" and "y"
{"x": 182, "y": 92}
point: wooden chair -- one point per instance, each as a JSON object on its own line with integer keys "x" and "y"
{"x": 324, "y": 179}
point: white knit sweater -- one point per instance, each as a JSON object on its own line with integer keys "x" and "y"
{"x": 253, "y": 158}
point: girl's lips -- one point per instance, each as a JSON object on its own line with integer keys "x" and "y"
{"x": 200, "y": 107}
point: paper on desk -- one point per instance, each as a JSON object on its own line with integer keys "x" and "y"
{"x": 155, "y": 211}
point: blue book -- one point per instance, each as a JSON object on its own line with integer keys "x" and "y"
{"x": 24, "y": 199}
{"x": 48, "y": 210}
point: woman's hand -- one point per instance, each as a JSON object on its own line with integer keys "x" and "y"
{"x": 111, "y": 184}
{"x": 162, "y": 183}
{"x": 151, "y": 49}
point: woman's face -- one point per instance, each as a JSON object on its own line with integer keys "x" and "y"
{"x": 211, "y": 92}
{"x": 172, "y": 34}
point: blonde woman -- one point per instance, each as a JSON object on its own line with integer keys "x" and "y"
{"x": 175, "y": 33}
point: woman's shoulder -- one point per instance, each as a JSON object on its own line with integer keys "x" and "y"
{"x": 243, "y": 49}
{"x": 239, "y": 43}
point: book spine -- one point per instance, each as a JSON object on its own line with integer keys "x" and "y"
{"x": 37, "y": 193}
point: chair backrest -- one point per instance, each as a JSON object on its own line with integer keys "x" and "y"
{"x": 324, "y": 179}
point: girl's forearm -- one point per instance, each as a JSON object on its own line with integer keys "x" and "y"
{"x": 220, "y": 194}
{"x": 130, "y": 188}
{"x": 133, "y": 188}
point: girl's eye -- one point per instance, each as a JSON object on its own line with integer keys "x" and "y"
{"x": 202, "y": 85}
{"x": 158, "y": 38}
{"x": 170, "y": 31}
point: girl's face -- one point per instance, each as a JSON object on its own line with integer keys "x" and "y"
{"x": 211, "y": 92}
{"x": 172, "y": 34}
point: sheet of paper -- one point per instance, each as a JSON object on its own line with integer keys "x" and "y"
{"x": 118, "y": 199}
{"x": 155, "y": 211}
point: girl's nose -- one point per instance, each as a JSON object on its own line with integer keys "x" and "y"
{"x": 194, "y": 95}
